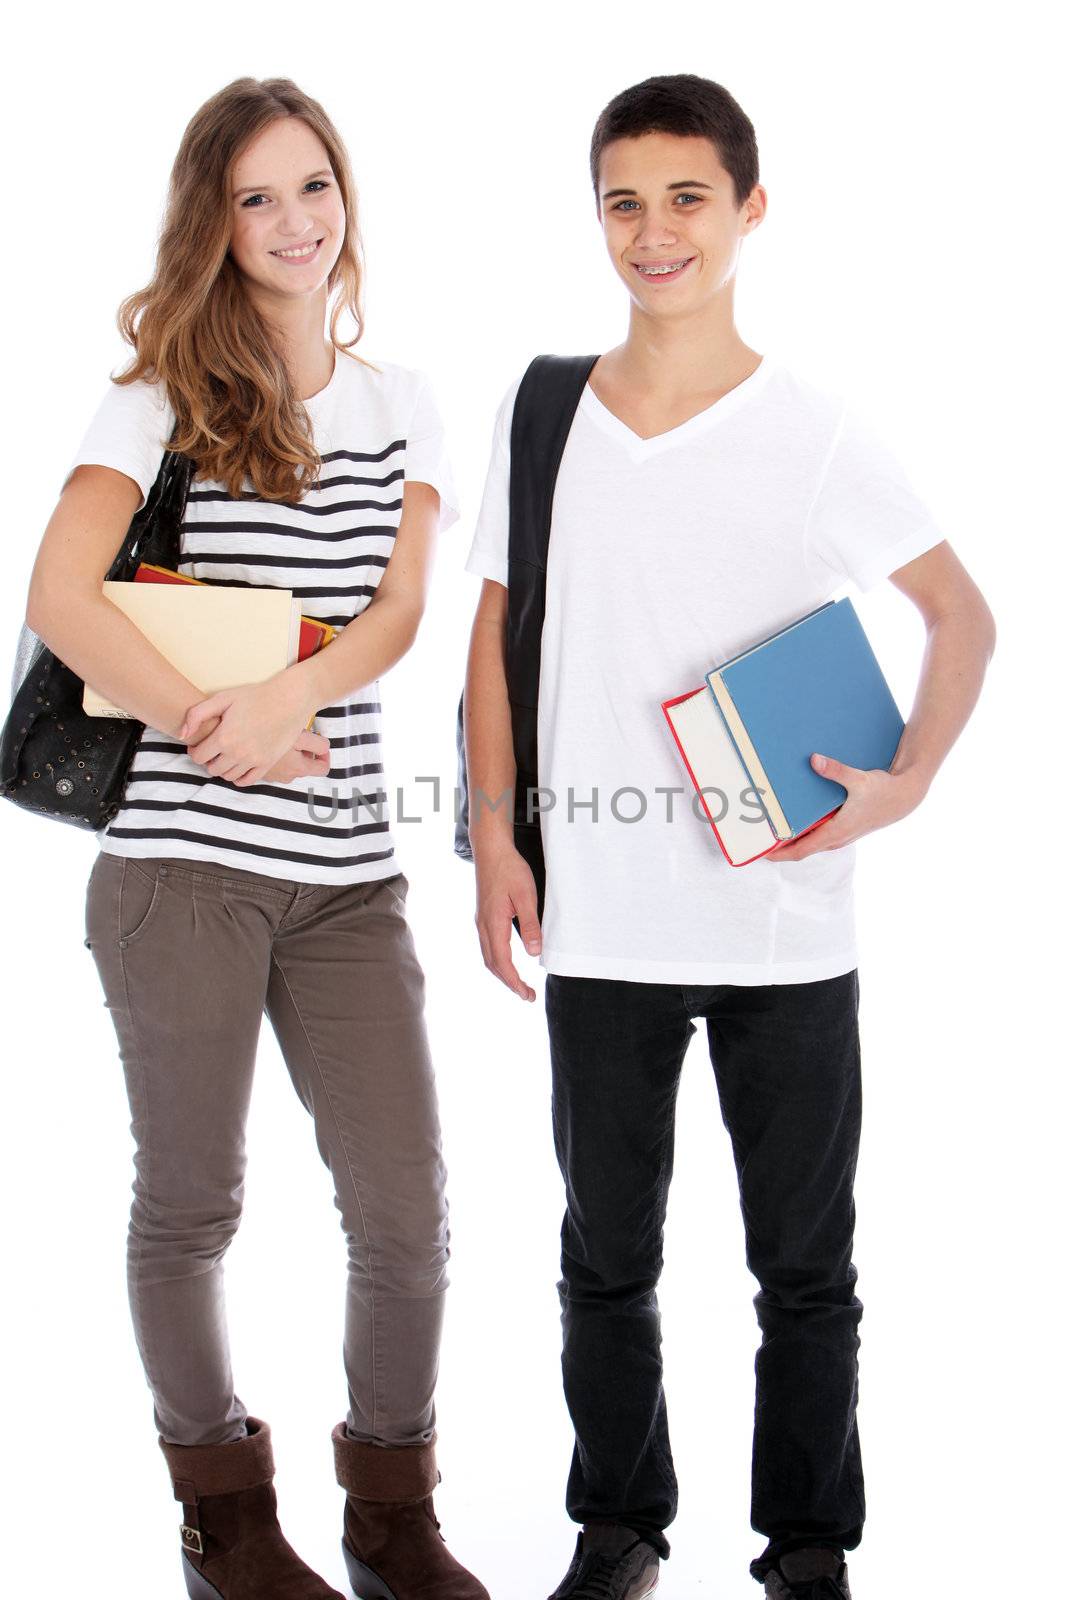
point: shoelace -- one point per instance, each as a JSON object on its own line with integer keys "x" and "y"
{"x": 595, "y": 1583}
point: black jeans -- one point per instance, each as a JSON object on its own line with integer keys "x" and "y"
{"x": 786, "y": 1059}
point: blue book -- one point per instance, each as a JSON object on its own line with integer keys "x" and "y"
{"x": 815, "y": 685}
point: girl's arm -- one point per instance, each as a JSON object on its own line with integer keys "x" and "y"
{"x": 375, "y": 640}
{"x": 255, "y": 718}
{"x": 67, "y": 608}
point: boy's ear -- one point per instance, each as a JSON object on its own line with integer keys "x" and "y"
{"x": 755, "y": 206}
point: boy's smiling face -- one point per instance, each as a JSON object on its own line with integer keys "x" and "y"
{"x": 670, "y": 219}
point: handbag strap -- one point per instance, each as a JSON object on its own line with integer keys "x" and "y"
{"x": 154, "y": 533}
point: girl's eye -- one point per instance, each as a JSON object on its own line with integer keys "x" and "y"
{"x": 687, "y": 197}
{"x": 314, "y": 184}
{"x": 621, "y": 204}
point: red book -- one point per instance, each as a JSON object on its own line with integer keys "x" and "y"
{"x": 313, "y": 634}
{"x": 727, "y": 794}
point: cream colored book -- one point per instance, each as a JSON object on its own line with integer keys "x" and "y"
{"x": 215, "y": 636}
{"x": 735, "y": 810}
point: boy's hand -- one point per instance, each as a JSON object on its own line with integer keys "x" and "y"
{"x": 875, "y": 799}
{"x": 506, "y": 889}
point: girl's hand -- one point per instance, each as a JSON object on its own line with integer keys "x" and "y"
{"x": 309, "y": 758}
{"x": 875, "y": 799}
{"x": 258, "y": 724}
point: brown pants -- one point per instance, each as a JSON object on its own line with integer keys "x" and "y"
{"x": 190, "y": 954}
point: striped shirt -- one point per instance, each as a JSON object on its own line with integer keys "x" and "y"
{"x": 373, "y": 430}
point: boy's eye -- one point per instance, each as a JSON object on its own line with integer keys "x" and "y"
{"x": 623, "y": 205}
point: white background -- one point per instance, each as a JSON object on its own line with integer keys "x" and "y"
{"x": 913, "y": 164}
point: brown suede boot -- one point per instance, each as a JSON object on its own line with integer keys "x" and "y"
{"x": 232, "y": 1546}
{"x": 392, "y": 1542}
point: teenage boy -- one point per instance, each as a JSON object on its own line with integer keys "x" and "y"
{"x": 706, "y": 497}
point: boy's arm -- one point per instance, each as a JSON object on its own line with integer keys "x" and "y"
{"x": 505, "y": 883}
{"x": 960, "y": 638}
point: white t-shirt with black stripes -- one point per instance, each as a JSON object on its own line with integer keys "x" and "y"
{"x": 374, "y": 428}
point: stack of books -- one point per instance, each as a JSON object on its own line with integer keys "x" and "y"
{"x": 216, "y": 635}
{"x": 747, "y": 734}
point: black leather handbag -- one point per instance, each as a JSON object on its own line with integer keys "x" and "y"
{"x": 54, "y": 759}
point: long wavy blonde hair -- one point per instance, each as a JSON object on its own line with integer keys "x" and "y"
{"x": 194, "y": 328}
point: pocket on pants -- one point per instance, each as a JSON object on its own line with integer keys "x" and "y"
{"x": 140, "y": 893}
{"x": 398, "y": 887}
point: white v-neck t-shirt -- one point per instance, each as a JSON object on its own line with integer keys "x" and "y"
{"x": 667, "y": 556}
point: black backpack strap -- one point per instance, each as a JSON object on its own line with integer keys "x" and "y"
{"x": 545, "y": 404}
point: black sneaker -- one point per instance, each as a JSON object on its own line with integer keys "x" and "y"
{"x": 610, "y": 1563}
{"x": 811, "y": 1574}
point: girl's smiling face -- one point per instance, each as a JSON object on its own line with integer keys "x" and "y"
{"x": 671, "y": 223}
{"x": 288, "y": 220}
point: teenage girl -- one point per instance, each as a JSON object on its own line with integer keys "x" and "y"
{"x": 251, "y": 865}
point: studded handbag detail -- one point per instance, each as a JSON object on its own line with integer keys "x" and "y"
{"x": 54, "y": 759}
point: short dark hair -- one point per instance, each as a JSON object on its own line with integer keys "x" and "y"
{"x": 681, "y": 103}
